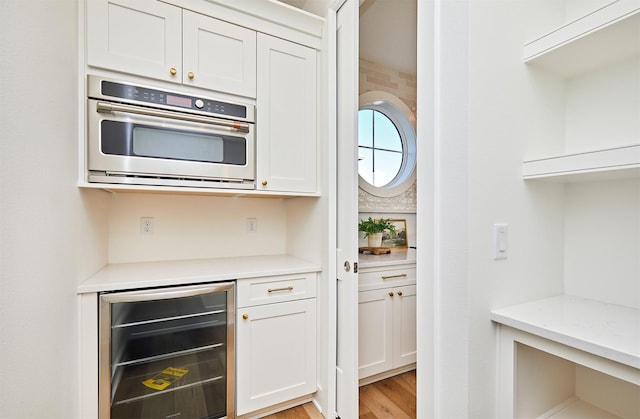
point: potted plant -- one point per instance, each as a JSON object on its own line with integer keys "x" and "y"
{"x": 373, "y": 230}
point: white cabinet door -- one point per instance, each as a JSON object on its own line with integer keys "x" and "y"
{"x": 276, "y": 353}
{"x": 131, "y": 36}
{"x": 286, "y": 116}
{"x": 375, "y": 343}
{"x": 404, "y": 326}
{"x": 386, "y": 330}
{"x": 218, "y": 55}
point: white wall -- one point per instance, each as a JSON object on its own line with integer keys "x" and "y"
{"x": 602, "y": 241}
{"x": 191, "y": 227}
{"x": 556, "y": 231}
{"x": 509, "y": 118}
{"x": 52, "y": 235}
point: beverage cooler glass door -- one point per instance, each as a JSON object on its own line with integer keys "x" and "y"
{"x": 167, "y": 353}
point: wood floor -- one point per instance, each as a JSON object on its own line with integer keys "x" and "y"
{"x": 393, "y": 398}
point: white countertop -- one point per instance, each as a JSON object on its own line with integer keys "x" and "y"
{"x": 124, "y": 276}
{"x": 607, "y": 330}
{"x": 389, "y": 259}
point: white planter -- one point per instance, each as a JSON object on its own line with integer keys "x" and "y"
{"x": 375, "y": 240}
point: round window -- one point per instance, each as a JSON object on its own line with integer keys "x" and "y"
{"x": 386, "y": 144}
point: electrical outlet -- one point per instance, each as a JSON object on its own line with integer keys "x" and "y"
{"x": 252, "y": 225}
{"x": 147, "y": 225}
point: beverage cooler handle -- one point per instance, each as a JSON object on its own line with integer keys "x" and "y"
{"x": 103, "y": 107}
{"x": 164, "y": 294}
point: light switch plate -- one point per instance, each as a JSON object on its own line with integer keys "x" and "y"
{"x": 500, "y": 241}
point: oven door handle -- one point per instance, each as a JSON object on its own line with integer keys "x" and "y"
{"x": 164, "y": 293}
{"x": 103, "y": 107}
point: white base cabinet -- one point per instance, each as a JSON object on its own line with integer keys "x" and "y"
{"x": 386, "y": 330}
{"x": 386, "y": 319}
{"x": 275, "y": 341}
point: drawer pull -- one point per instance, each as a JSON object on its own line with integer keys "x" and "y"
{"x": 390, "y": 293}
{"x": 400, "y": 293}
{"x": 289, "y": 288}
{"x": 393, "y": 276}
{"x": 245, "y": 316}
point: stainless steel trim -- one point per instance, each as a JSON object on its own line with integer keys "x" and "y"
{"x": 103, "y": 107}
{"x": 140, "y": 179}
{"x": 159, "y": 294}
{"x": 104, "y": 353}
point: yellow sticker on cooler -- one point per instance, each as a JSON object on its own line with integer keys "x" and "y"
{"x": 167, "y": 377}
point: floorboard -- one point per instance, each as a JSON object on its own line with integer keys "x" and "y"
{"x": 393, "y": 398}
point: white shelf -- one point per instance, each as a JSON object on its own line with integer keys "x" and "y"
{"x": 606, "y": 330}
{"x": 607, "y": 35}
{"x": 612, "y": 163}
{"x": 575, "y": 408}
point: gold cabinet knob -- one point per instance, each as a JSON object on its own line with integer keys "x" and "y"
{"x": 264, "y": 183}
{"x": 245, "y": 316}
{"x": 400, "y": 293}
{"x": 191, "y": 75}
{"x": 390, "y": 294}
{"x": 173, "y": 71}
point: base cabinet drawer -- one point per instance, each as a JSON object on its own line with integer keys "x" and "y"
{"x": 276, "y": 289}
{"x": 369, "y": 279}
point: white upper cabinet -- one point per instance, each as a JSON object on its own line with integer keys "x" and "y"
{"x": 135, "y": 37}
{"x": 164, "y": 42}
{"x": 218, "y": 55}
{"x": 287, "y": 116}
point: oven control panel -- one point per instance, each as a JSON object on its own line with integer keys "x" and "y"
{"x": 100, "y": 88}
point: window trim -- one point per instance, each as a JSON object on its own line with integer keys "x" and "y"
{"x": 404, "y": 120}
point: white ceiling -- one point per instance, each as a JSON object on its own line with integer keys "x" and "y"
{"x": 388, "y": 33}
{"x": 387, "y": 30}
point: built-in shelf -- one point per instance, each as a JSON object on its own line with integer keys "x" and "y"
{"x": 611, "y": 163}
{"x": 607, "y": 330}
{"x": 569, "y": 357}
{"x": 574, "y": 408}
{"x": 607, "y": 35}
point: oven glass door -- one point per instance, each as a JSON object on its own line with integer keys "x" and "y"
{"x": 169, "y": 357}
{"x": 141, "y": 140}
{"x": 163, "y": 144}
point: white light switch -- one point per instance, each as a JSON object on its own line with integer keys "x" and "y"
{"x": 500, "y": 240}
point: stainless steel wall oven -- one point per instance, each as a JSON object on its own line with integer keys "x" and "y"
{"x": 144, "y": 135}
{"x": 168, "y": 352}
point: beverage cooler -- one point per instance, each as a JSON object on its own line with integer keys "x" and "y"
{"x": 167, "y": 352}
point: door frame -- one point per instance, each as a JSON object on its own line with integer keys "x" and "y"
{"x": 345, "y": 203}
{"x": 427, "y": 215}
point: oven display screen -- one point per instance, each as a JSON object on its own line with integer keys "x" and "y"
{"x": 185, "y": 102}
